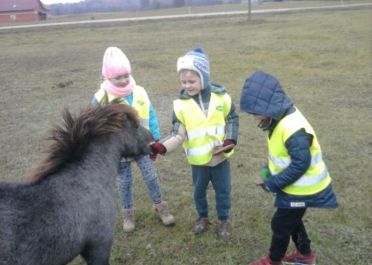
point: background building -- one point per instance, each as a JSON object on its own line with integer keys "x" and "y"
{"x": 21, "y": 11}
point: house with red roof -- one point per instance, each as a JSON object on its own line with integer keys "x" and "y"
{"x": 21, "y": 11}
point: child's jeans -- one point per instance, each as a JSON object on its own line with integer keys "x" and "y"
{"x": 220, "y": 177}
{"x": 286, "y": 224}
{"x": 150, "y": 177}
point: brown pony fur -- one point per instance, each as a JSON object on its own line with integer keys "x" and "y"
{"x": 71, "y": 138}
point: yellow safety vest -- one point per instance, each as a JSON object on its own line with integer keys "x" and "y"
{"x": 141, "y": 102}
{"x": 316, "y": 178}
{"x": 204, "y": 133}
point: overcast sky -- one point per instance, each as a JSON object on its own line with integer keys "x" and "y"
{"x": 49, "y": 2}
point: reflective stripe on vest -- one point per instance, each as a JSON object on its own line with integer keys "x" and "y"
{"x": 284, "y": 162}
{"x": 197, "y": 151}
{"x": 316, "y": 178}
{"x": 203, "y": 133}
{"x": 212, "y": 130}
{"x": 141, "y": 102}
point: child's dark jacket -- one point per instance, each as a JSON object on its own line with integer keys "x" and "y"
{"x": 266, "y": 97}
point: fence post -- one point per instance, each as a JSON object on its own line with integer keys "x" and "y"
{"x": 249, "y": 10}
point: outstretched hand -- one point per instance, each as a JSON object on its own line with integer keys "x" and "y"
{"x": 157, "y": 148}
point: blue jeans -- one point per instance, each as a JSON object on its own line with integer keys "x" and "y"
{"x": 150, "y": 177}
{"x": 221, "y": 181}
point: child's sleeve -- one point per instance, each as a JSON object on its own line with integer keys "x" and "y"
{"x": 232, "y": 124}
{"x": 94, "y": 101}
{"x": 177, "y": 136}
{"x": 153, "y": 124}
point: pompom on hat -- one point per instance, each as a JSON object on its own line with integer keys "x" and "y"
{"x": 115, "y": 63}
{"x": 197, "y": 61}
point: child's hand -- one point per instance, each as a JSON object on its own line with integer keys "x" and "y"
{"x": 226, "y": 147}
{"x": 261, "y": 183}
{"x": 157, "y": 148}
{"x": 265, "y": 173}
{"x": 229, "y": 143}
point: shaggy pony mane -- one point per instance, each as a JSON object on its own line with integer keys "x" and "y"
{"x": 72, "y": 137}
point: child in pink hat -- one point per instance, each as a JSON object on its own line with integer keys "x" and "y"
{"x": 118, "y": 84}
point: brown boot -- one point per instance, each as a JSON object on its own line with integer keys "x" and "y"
{"x": 201, "y": 225}
{"x": 162, "y": 211}
{"x": 224, "y": 229}
{"x": 129, "y": 222}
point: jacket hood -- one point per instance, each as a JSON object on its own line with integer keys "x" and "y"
{"x": 263, "y": 95}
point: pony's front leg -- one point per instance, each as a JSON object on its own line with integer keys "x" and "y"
{"x": 97, "y": 254}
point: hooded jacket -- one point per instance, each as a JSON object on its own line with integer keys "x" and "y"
{"x": 263, "y": 95}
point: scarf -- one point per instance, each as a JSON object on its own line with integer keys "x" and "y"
{"x": 119, "y": 91}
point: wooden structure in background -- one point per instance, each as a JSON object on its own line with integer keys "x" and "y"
{"x": 21, "y": 11}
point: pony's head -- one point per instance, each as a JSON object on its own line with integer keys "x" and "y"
{"x": 72, "y": 138}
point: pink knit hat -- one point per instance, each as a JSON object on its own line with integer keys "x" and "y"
{"x": 115, "y": 63}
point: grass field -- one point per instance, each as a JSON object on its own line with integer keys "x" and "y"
{"x": 324, "y": 62}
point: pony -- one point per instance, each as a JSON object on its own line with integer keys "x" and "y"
{"x": 67, "y": 207}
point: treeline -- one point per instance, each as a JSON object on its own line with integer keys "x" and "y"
{"x": 89, "y": 6}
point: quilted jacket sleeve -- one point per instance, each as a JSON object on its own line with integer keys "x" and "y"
{"x": 298, "y": 146}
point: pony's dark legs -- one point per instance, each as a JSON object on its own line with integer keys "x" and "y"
{"x": 97, "y": 253}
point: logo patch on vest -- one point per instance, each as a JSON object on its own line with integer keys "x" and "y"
{"x": 298, "y": 204}
{"x": 219, "y": 108}
{"x": 140, "y": 102}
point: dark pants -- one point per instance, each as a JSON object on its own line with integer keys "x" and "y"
{"x": 287, "y": 224}
{"x": 221, "y": 181}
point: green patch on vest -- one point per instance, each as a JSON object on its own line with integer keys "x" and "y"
{"x": 140, "y": 102}
{"x": 219, "y": 108}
